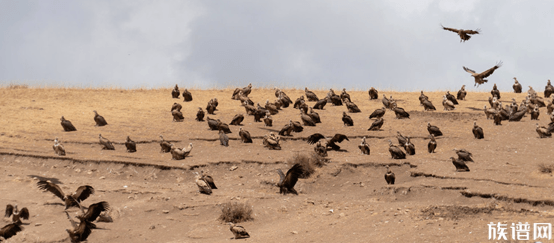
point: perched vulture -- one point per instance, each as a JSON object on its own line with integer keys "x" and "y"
{"x": 389, "y": 176}
{"x": 246, "y": 90}
{"x": 175, "y": 92}
{"x": 331, "y": 143}
{"x": 176, "y": 106}
{"x": 451, "y": 97}
{"x": 409, "y": 147}
{"x": 179, "y": 154}
{"x": 345, "y": 95}
{"x": 396, "y": 152}
{"x": 477, "y": 131}
{"x": 401, "y": 139}
{"x": 9, "y": 230}
{"x": 238, "y": 231}
{"x": 292, "y": 126}
{"x": 462, "y": 93}
{"x": 203, "y": 187}
{"x": 288, "y": 181}
{"x": 67, "y": 126}
{"x": 237, "y": 120}
{"x": 434, "y": 130}
{"x": 364, "y": 147}
{"x": 432, "y": 145}
{"x": 200, "y": 114}
{"x": 543, "y": 132}
{"x": 497, "y": 119}
{"x": 400, "y": 112}
{"x": 272, "y": 108}
{"x": 223, "y": 126}
{"x": 386, "y": 101}
{"x": 70, "y": 200}
{"x": 489, "y": 112}
{"x": 130, "y": 145}
{"x": 464, "y": 155}
{"x": 447, "y": 104}
{"x": 335, "y": 100}
{"x": 516, "y": 116}
{"x": 165, "y": 145}
{"x": 213, "y": 102}
{"x": 303, "y": 107}
{"x": 495, "y": 92}
{"x": 320, "y": 149}
{"x": 106, "y": 144}
{"x": 314, "y": 115}
{"x": 250, "y": 109}
{"x": 347, "y": 120}
{"x": 517, "y": 86}
{"x": 376, "y": 125}
{"x": 298, "y": 102}
{"x": 208, "y": 179}
{"x": 352, "y": 108}
{"x": 223, "y": 138}
{"x": 100, "y": 121}
{"x": 187, "y": 96}
{"x": 480, "y": 77}
{"x": 311, "y": 96}
{"x": 428, "y": 106}
{"x": 271, "y": 142}
{"x": 245, "y": 136}
{"x": 58, "y": 148}
{"x": 373, "y": 94}
{"x": 268, "y": 121}
{"x": 285, "y": 99}
{"x": 378, "y": 113}
{"x": 320, "y": 104}
{"x": 177, "y": 116}
{"x": 548, "y": 90}
{"x": 535, "y": 113}
{"x": 210, "y": 108}
{"x": 422, "y": 97}
{"x": 16, "y": 214}
{"x": 306, "y": 120}
{"x": 464, "y": 34}
{"x": 459, "y": 164}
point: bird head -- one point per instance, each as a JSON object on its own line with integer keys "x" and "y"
{"x": 100, "y": 135}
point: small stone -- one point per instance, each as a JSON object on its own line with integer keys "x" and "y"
{"x": 342, "y": 215}
{"x": 165, "y": 211}
{"x": 233, "y": 168}
{"x": 152, "y": 227}
{"x": 38, "y": 224}
{"x": 294, "y": 232}
{"x": 102, "y": 177}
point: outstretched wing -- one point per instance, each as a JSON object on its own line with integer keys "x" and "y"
{"x": 314, "y": 138}
{"x": 9, "y": 210}
{"x": 469, "y": 70}
{"x": 9, "y": 230}
{"x": 472, "y": 32}
{"x": 292, "y": 176}
{"x": 339, "y": 138}
{"x": 51, "y": 187}
{"x": 491, "y": 70}
{"x": 450, "y": 29}
{"x": 83, "y": 192}
{"x": 95, "y": 209}
{"x": 24, "y": 213}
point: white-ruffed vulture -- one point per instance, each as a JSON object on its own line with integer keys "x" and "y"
{"x": 16, "y": 214}
{"x": 165, "y": 145}
{"x": 288, "y": 181}
{"x": 200, "y": 114}
{"x": 396, "y": 152}
{"x": 477, "y": 131}
{"x": 58, "y": 148}
{"x": 535, "y": 113}
{"x": 70, "y": 200}
{"x": 268, "y": 121}
{"x": 238, "y": 231}
{"x": 432, "y": 145}
{"x": 364, "y": 147}
{"x": 462, "y": 93}
{"x": 389, "y": 176}
{"x": 480, "y": 77}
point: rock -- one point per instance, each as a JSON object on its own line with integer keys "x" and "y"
{"x": 102, "y": 177}
{"x": 38, "y": 224}
{"x": 165, "y": 211}
{"x": 294, "y": 232}
{"x": 152, "y": 227}
{"x": 233, "y": 168}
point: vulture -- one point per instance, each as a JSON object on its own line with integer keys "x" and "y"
{"x": 401, "y": 139}
{"x": 259, "y": 114}
{"x": 71, "y": 200}
{"x": 310, "y": 95}
{"x": 176, "y": 106}
{"x": 200, "y": 114}
{"x": 376, "y": 125}
{"x": 516, "y": 116}
{"x": 451, "y": 97}
{"x": 331, "y": 143}
{"x": 378, "y": 113}
{"x": 373, "y": 94}
{"x": 210, "y": 108}
{"x": 335, "y": 99}
{"x": 271, "y": 108}
{"x": 396, "y": 152}
{"x": 364, "y": 147}
{"x": 165, "y": 145}
{"x": 314, "y": 115}
{"x": 271, "y": 142}
{"x": 203, "y": 187}
{"x": 9, "y": 230}
{"x": 16, "y": 214}
{"x": 477, "y": 131}
{"x": 100, "y": 121}
{"x": 535, "y": 113}
{"x": 548, "y": 89}
{"x": 298, "y": 102}
{"x": 245, "y": 136}
{"x": 214, "y": 102}
{"x": 428, "y": 106}
{"x": 187, "y": 96}
{"x": 208, "y": 179}
{"x": 246, "y": 90}
{"x": 268, "y": 121}
{"x": 400, "y": 112}
{"x": 389, "y": 176}
{"x": 386, "y": 102}
{"x": 238, "y": 231}
{"x": 459, "y": 164}
{"x": 175, "y": 92}
{"x": 497, "y": 119}
{"x": 347, "y": 120}
{"x": 464, "y": 155}
{"x": 236, "y": 94}
{"x": 177, "y": 116}
{"x": 422, "y": 97}
{"x": 285, "y": 99}
{"x": 287, "y": 182}
{"x": 223, "y": 138}
{"x": 94, "y": 211}
{"x": 292, "y": 126}
{"x": 352, "y": 108}
{"x": 303, "y": 107}
{"x": 432, "y": 145}
{"x": 409, "y": 147}
{"x": 543, "y": 132}
{"x": 278, "y": 103}
{"x": 179, "y": 154}
{"x": 67, "y": 126}
{"x": 517, "y": 86}
{"x": 490, "y": 112}
{"x": 81, "y": 231}
{"x": 464, "y": 34}
{"x": 434, "y": 130}
{"x": 223, "y": 126}
{"x": 130, "y": 145}
{"x": 250, "y": 109}
{"x": 480, "y": 77}
{"x": 237, "y": 120}
{"x": 306, "y": 120}
{"x": 106, "y": 144}
{"x": 320, "y": 149}
{"x": 495, "y": 92}
{"x": 58, "y": 148}
{"x": 345, "y": 95}
{"x": 447, "y": 104}
{"x": 550, "y": 107}
{"x": 392, "y": 103}
{"x": 462, "y": 93}
{"x": 320, "y": 104}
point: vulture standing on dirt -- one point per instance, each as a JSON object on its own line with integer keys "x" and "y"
{"x": 535, "y": 113}
{"x": 288, "y": 181}
{"x": 432, "y": 145}
{"x": 203, "y": 187}
{"x": 400, "y": 112}
{"x": 67, "y": 126}
{"x": 165, "y": 145}
{"x": 237, "y": 120}
{"x": 187, "y": 96}
{"x": 477, "y": 131}
{"x": 175, "y": 92}
{"x": 223, "y": 126}
{"x": 106, "y": 144}
{"x": 331, "y": 143}
{"x": 176, "y": 106}
{"x": 422, "y": 97}
{"x": 451, "y": 97}
{"x": 401, "y": 139}
{"x": 245, "y": 136}
{"x": 352, "y": 108}
{"x": 223, "y": 138}
{"x": 320, "y": 104}
{"x": 497, "y": 119}
{"x": 389, "y": 176}
{"x": 177, "y": 116}
{"x": 409, "y": 147}
{"x": 268, "y": 121}
{"x": 495, "y": 92}
{"x": 307, "y": 120}
{"x": 303, "y": 107}
{"x": 271, "y": 142}
{"x": 462, "y": 93}
{"x": 464, "y": 34}
{"x": 335, "y": 99}
{"x": 516, "y": 116}
{"x": 548, "y": 89}
{"x": 447, "y": 104}
{"x": 16, "y": 214}
{"x": 373, "y": 94}
{"x": 320, "y": 149}
{"x": 315, "y": 116}
{"x": 427, "y": 105}
{"x": 238, "y": 231}
{"x": 271, "y": 108}
{"x": 464, "y": 155}
{"x": 58, "y": 148}
{"x": 543, "y": 132}
{"x": 386, "y": 102}
{"x": 434, "y": 130}
{"x": 376, "y": 125}
{"x": 345, "y": 95}
{"x": 347, "y": 120}
{"x": 460, "y": 165}
{"x": 311, "y": 96}
{"x": 378, "y": 113}
{"x": 364, "y": 147}
{"x": 480, "y": 77}
{"x": 396, "y": 152}
{"x": 210, "y": 108}
{"x": 70, "y": 200}
{"x": 517, "y": 86}
{"x": 208, "y": 179}
{"x": 179, "y": 154}
{"x": 9, "y": 230}
{"x": 200, "y": 114}
{"x": 298, "y": 102}
{"x": 288, "y": 128}
{"x": 100, "y": 121}
{"x": 130, "y": 145}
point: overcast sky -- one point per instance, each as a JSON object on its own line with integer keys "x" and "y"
{"x": 320, "y": 44}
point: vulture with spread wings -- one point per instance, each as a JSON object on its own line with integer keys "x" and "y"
{"x": 287, "y": 183}
{"x": 71, "y": 200}
{"x": 464, "y": 34}
{"x": 480, "y": 77}
{"x": 331, "y": 143}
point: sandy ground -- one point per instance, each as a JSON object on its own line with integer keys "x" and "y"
{"x": 155, "y": 198}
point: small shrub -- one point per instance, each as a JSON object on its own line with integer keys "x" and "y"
{"x": 318, "y": 160}
{"x": 235, "y": 212}
{"x": 546, "y": 168}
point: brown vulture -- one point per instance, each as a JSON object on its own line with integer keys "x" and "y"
{"x": 67, "y": 126}
{"x": 200, "y": 114}
{"x": 16, "y": 214}
{"x": 259, "y": 114}
{"x": 516, "y": 116}
{"x": 81, "y": 231}
{"x": 165, "y": 145}
{"x": 459, "y": 164}
{"x": 432, "y": 145}
{"x": 245, "y": 136}
{"x": 177, "y": 116}
{"x": 464, "y": 155}
{"x": 427, "y": 105}
{"x": 187, "y": 96}
{"x": 298, "y": 102}
{"x": 347, "y": 120}
{"x": 477, "y": 131}
{"x": 462, "y": 93}
{"x": 320, "y": 149}
{"x": 548, "y": 89}
{"x": 451, "y": 97}
{"x": 378, "y": 113}
{"x": 331, "y": 143}
{"x": 100, "y": 121}
{"x": 320, "y": 104}
{"x": 464, "y": 34}
{"x": 386, "y": 101}
{"x": 223, "y": 138}
{"x": 238, "y": 231}
{"x": 106, "y": 144}
{"x": 422, "y": 97}
{"x": 237, "y": 120}
{"x": 396, "y": 152}
{"x": 480, "y": 77}
{"x": 389, "y": 176}
{"x": 179, "y": 154}
{"x": 246, "y": 90}
{"x": 376, "y": 125}
{"x": 212, "y": 123}
{"x": 287, "y": 182}
{"x": 175, "y": 92}
{"x": 130, "y": 145}
{"x": 345, "y": 95}
{"x": 9, "y": 230}
{"x": 310, "y": 95}
{"x": 314, "y": 115}
{"x": 352, "y": 108}
{"x": 58, "y": 148}
{"x": 307, "y": 120}
{"x": 94, "y": 210}
{"x": 400, "y": 112}
{"x": 543, "y": 132}
{"x": 535, "y": 113}
{"x": 401, "y": 139}
{"x": 495, "y": 92}
{"x": 517, "y": 86}
{"x": 268, "y": 121}
{"x": 208, "y": 179}
{"x": 176, "y": 106}
{"x": 223, "y": 126}
{"x": 447, "y": 104}
{"x": 271, "y": 108}
{"x": 373, "y": 94}
{"x": 203, "y": 187}
{"x": 364, "y": 147}
{"x": 70, "y": 200}
{"x": 271, "y": 142}
{"x": 409, "y": 147}
{"x": 436, "y": 131}
{"x": 292, "y": 126}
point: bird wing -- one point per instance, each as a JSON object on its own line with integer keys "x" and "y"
{"x": 84, "y": 229}
{"x": 297, "y": 127}
{"x": 469, "y": 70}
{"x": 292, "y": 176}
{"x": 490, "y": 70}
{"x": 9, "y": 210}
{"x": 472, "y": 32}
{"x": 95, "y": 209}
{"x": 24, "y": 213}
{"x": 51, "y": 187}
{"x": 314, "y": 138}
{"x": 9, "y": 230}
{"x": 450, "y": 29}
{"x": 83, "y": 192}
{"x": 281, "y": 177}
{"x": 339, "y": 138}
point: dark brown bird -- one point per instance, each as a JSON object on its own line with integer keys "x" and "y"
{"x": 428, "y": 106}
{"x": 244, "y": 136}
{"x": 462, "y": 93}
{"x": 434, "y": 130}
{"x": 271, "y": 108}
{"x": 176, "y": 106}
{"x": 237, "y": 120}
{"x": 345, "y": 95}
{"x": 400, "y": 112}
{"x": 535, "y": 113}
{"x": 364, "y": 147}
{"x": 352, "y": 108}
{"x": 378, "y": 113}
{"x": 271, "y": 142}
{"x": 495, "y": 92}
{"x": 9, "y": 230}
{"x": 165, "y": 145}
{"x": 376, "y": 125}
{"x": 223, "y": 138}
{"x": 432, "y": 145}
{"x": 16, "y": 214}
{"x": 311, "y": 96}
{"x": 58, "y": 148}
{"x": 517, "y": 86}
{"x": 314, "y": 115}
{"x": 347, "y": 120}
{"x": 100, "y": 121}
{"x": 389, "y": 176}
{"x": 238, "y": 231}
{"x": 477, "y": 131}
{"x": 464, "y": 155}
{"x": 543, "y": 132}
{"x": 460, "y": 165}
{"x": 177, "y": 116}
{"x": 288, "y": 181}
{"x": 409, "y": 147}
{"x": 373, "y": 94}
{"x": 130, "y": 145}
{"x": 268, "y": 121}
{"x": 451, "y": 97}
{"x": 175, "y": 92}
{"x": 401, "y": 139}
{"x": 396, "y": 152}
{"x": 321, "y": 103}
{"x": 67, "y": 126}
{"x": 464, "y": 34}
{"x": 386, "y": 101}
{"x": 70, "y": 200}
{"x": 94, "y": 210}
{"x": 106, "y": 144}
{"x": 548, "y": 89}
{"x": 223, "y": 126}
{"x": 298, "y": 102}
{"x": 187, "y": 96}
{"x": 81, "y": 231}
{"x": 208, "y": 179}
{"x": 480, "y": 77}
{"x": 200, "y": 114}
{"x": 320, "y": 149}
{"x": 331, "y": 143}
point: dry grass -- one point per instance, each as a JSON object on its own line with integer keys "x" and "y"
{"x": 235, "y": 212}
{"x": 546, "y": 168}
{"x": 308, "y": 161}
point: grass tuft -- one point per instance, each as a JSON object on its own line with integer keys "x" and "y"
{"x": 235, "y": 212}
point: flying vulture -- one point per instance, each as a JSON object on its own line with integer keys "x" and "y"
{"x": 58, "y": 148}
{"x": 94, "y": 210}
{"x": 389, "y": 176}
{"x": 70, "y": 200}
{"x": 376, "y": 125}
{"x": 130, "y": 145}
{"x": 480, "y": 77}
{"x": 286, "y": 183}
{"x": 245, "y": 136}
{"x": 364, "y": 147}
{"x": 331, "y": 143}
{"x": 82, "y": 231}
{"x": 67, "y": 126}
{"x": 464, "y": 34}
{"x": 238, "y": 231}
{"x": 100, "y": 121}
